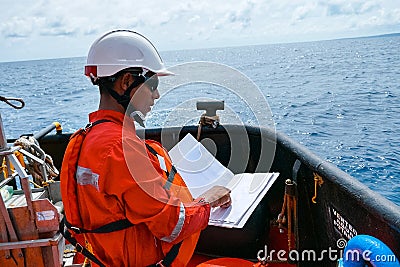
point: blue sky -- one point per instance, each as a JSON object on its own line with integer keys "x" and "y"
{"x": 58, "y": 28}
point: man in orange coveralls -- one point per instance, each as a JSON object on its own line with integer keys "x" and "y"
{"x": 117, "y": 179}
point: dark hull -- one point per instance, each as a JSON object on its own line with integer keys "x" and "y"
{"x": 343, "y": 205}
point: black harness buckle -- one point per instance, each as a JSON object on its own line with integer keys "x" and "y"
{"x": 79, "y": 247}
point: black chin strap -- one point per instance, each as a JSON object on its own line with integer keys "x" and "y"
{"x": 124, "y": 99}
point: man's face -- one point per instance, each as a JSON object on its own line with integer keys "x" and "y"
{"x": 142, "y": 98}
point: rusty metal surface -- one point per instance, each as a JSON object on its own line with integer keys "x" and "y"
{"x": 47, "y": 217}
{"x": 33, "y": 243}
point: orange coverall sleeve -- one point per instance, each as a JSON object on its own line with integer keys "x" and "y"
{"x": 139, "y": 188}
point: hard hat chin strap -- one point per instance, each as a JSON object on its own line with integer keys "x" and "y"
{"x": 124, "y": 99}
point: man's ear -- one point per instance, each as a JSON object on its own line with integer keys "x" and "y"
{"x": 125, "y": 81}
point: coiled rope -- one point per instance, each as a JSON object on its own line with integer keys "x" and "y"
{"x": 8, "y": 100}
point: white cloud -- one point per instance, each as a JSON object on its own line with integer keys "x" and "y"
{"x": 16, "y": 27}
{"x": 194, "y": 19}
{"x": 369, "y": 6}
{"x": 304, "y": 11}
{"x": 73, "y": 24}
{"x": 339, "y": 8}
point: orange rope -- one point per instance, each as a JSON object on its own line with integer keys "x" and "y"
{"x": 289, "y": 207}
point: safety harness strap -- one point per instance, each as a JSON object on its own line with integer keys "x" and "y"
{"x": 107, "y": 228}
{"x": 170, "y": 174}
{"x": 169, "y": 258}
{"x": 79, "y": 248}
{"x": 152, "y": 150}
{"x": 115, "y": 226}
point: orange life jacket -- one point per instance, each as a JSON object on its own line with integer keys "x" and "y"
{"x": 72, "y": 219}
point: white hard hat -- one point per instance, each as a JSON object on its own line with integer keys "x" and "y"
{"x": 122, "y": 49}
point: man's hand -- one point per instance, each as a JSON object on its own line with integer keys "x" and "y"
{"x": 217, "y": 196}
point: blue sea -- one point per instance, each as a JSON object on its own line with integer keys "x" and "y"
{"x": 339, "y": 98}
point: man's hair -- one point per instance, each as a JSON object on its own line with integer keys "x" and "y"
{"x": 106, "y": 83}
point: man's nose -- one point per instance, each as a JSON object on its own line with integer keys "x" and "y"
{"x": 156, "y": 94}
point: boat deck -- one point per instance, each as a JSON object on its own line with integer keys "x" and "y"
{"x": 277, "y": 242}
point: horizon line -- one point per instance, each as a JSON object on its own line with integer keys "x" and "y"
{"x": 383, "y": 35}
